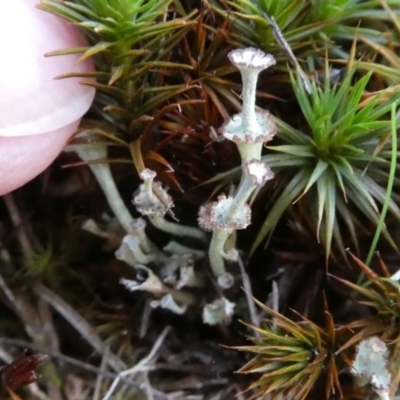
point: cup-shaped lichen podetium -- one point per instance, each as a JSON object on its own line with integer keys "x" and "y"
{"x": 250, "y": 128}
{"x": 152, "y": 200}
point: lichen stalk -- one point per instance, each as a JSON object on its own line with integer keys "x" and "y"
{"x": 176, "y": 229}
{"x": 250, "y": 151}
{"x": 245, "y": 190}
{"x": 248, "y": 129}
{"x": 216, "y": 256}
{"x": 148, "y": 187}
{"x": 138, "y": 226}
{"x": 104, "y": 177}
{"x": 249, "y": 84}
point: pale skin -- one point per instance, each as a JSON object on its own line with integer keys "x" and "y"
{"x": 24, "y": 157}
{"x": 28, "y": 147}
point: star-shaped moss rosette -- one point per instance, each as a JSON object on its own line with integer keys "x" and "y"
{"x": 310, "y": 28}
{"x": 382, "y": 295}
{"x": 130, "y": 43}
{"x": 337, "y": 165}
{"x": 292, "y": 356}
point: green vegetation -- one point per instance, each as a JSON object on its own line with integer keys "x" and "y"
{"x": 161, "y": 142}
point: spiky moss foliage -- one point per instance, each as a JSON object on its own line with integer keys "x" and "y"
{"x": 130, "y": 43}
{"x": 335, "y": 165}
{"x": 338, "y": 163}
{"x": 161, "y": 75}
{"x": 291, "y": 357}
{"x": 382, "y": 295}
{"x": 301, "y": 359}
{"x": 127, "y": 39}
{"x": 184, "y": 131}
{"x": 310, "y": 26}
